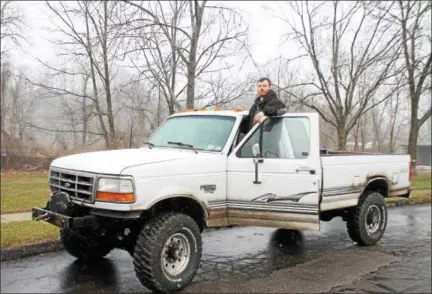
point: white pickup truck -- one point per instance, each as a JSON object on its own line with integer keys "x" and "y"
{"x": 198, "y": 171}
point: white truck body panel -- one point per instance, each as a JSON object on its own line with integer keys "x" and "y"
{"x": 345, "y": 176}
{"x": 288, "y": 194}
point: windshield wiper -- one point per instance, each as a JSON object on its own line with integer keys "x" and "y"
{"x": 149, "y": 144}
{"x": 183, "y": 145}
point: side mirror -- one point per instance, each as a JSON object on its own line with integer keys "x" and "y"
{"x": 256, "y": 150}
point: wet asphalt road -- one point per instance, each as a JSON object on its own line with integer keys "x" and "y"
{"x": 251, "y": 259}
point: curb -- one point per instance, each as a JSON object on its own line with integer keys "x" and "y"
{"x": 405, "y": 202}
{"x": 30, "y": 250}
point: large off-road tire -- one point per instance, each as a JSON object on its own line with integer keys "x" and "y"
{"x": 367, "y": 222}
{"x": 168, "y": 252}
{"x": 83, "y": 247}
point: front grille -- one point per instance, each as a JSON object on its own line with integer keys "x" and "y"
{"x": 77, "y": 185}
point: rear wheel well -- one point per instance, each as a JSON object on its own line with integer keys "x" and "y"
{"x": 183, "y": 205}
{"x": 378, "y": 185}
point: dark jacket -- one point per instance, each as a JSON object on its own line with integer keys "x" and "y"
{"x": 271, "y": 105}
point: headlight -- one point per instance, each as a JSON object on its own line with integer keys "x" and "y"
{"x": 115, "y": 190}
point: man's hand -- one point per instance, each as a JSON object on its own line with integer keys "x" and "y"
{"x": 259, "y": 117}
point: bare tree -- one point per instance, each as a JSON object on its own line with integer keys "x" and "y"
{"x": 397, "y": 120}
{"x": 162, "y": 63}
{"x": 284, "y": 80}
{"x": 347, "y": 77}
{"x": 413, "y": 17}
{"x": 140, "y": 102}
{"x": 212, "y": 34}
{"x": 223, "y": 90}
{"x": 4, "y": 88}
{"x": 90, "y": 39}
{"x": 12, "y": 26}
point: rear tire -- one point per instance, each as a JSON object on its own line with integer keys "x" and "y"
{"x": 367, "y": 222}
{"x": 167, "y": 254}
{"x": 83, "y": 247}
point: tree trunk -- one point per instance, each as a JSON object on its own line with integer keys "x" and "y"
{"x": 413, "y": 135}
{"x": 84, "y": 113}
{"x": 357, "y": 135}
{"x": 196, "y": 21}
{"x": 342, "y": 137}
{"x": 93, "y": 78}
{"x": 159, "y": 108}
{"x": 190, "y": 100}
{"x": 107, "y": 77}
{"x": 131, "y": 132}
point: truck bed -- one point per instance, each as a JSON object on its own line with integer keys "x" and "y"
{"x": 346, "y": 175}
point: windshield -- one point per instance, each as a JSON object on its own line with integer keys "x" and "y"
{"x": 203, "y": 132}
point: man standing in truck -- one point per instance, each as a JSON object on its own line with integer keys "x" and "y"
{"x": 266, "y": 104}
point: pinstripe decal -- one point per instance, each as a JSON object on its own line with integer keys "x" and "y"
{"x": 270, "y": 202}
{"x": 340, "y": 191}
{"x": 270, "y": 197}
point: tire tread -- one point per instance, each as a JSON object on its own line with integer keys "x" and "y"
{"x": 145, "y": 258}
{"x": 354, "y": 220}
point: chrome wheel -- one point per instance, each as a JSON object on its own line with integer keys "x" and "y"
{"x": 373, "y": 219}
{"x": 176, "y": 254}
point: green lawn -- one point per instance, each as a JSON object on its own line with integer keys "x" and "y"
{"x": 422, "y": 181}
{"x": 27, "y": 232}
{"x": 20, "y": 192}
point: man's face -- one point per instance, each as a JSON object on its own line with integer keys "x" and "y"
{"x": 263, "y": 88}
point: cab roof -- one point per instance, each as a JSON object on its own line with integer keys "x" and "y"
{"x": 222, "y": 112}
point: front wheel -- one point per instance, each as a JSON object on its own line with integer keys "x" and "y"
{"x": 167, "y": 253}
{"x": 367, "y": 222}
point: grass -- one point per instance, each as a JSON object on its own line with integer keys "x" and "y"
{"x": 22, "y": 191}
{"x": 422, "y": 181}
{"x": 27, "y": 232}
{"x": 418, "y": 196}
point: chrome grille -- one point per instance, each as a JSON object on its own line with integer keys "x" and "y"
{"x": 77, "y": 185}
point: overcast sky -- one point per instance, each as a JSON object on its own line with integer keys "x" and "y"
{"x": 265, "y": 32}
{"x": 265, "y": 35}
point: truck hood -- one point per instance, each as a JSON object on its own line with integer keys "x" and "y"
{"x": 115, "y": 161}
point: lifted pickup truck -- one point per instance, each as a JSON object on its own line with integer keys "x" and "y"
{"x": 197, "y": 171}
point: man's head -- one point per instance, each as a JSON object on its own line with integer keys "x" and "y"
{"x": 263, "y": 86}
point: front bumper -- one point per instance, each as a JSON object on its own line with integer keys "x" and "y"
{"x": 63, "y": 221}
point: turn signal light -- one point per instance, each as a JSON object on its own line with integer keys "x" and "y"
{"x": 115, "y": 197}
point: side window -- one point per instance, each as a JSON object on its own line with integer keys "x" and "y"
{"x": 282, "y": 138}
{"x": 298, "y": 129}
{"x": 246, "y": 150}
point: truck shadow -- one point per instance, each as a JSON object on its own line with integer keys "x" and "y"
{"x": 285, "y": 249}
{"x": 81, "y": 277}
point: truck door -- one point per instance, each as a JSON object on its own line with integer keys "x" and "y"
{"x": 274, "y": 175}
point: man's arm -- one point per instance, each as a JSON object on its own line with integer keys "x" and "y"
{"x": 274, "y": 107}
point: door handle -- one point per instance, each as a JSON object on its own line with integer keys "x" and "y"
{"x": 256, "y": 161}
{"x": 305, "y": 169}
